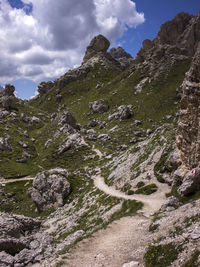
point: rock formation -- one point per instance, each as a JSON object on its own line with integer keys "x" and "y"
{"x": 21, "y": 242}
{"x": 98, "y": 46}
{"x": 8, "y": 99}
{"x": 176, "y": 41}
{"x": 50, "y": 188}
{"x": 188, "y": 132}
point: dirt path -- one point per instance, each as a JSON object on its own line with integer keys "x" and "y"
{"x": 151, "y": 202}
{"x": 4, "y": 181}
{"x": 121, "y": 242}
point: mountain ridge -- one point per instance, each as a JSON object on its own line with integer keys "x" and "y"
{"x": 109, "y": 132}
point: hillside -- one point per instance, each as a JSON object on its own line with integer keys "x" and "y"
{"x": 113, "y": 142}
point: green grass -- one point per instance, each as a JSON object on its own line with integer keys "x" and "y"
{"x": 147, "y": 190}
{"x": 17, "y": 201}
{"x": 192, "y": 262}
{"x": 161, "y": 255}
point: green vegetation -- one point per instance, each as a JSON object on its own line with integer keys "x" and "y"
{"x": 140, "y": 184}
{"x": 147, "y": 190}
{"x": 183, "y": 199}
{"x": 153, "y": 227}
{"x": 16, "y": 200}
{"x": 161, "y": 255}
{"x": 192, "y": 262}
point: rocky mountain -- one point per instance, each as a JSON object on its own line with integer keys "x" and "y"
{"x": 114, "y": 140}
{"x": 1, "y": 88}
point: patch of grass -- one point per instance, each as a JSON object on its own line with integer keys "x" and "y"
{"x": 190, "y": 220}
{"x": 126, "y": 187}
{"x": 147, "y": 190}
{"x": 140, "y": 184}
{"x": 192, "y": 262}
{"x": 159, "y": 167}
{"x": 17, "y": 201}
{"x": 161, "y": 255}
{"x": 153, "y": 227}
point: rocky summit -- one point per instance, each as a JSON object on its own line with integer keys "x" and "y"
{"x": 102, "y": 168}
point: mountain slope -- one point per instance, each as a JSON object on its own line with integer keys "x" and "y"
{"x": 109, "y": 128}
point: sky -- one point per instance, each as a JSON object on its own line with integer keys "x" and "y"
{"x": 41, "y": 39}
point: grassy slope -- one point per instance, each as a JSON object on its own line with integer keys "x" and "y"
{"x": 155, "y": 101}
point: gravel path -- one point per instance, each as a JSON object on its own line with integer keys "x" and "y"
{"x": 123, "y": 242}
{"x": 7, "y": 181}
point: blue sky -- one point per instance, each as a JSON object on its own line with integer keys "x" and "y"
{"x": 40, "y": 39}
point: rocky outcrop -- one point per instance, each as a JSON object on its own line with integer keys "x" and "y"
{"x": 122, "y": 56}
{"x": 96, "y": 52}
{"x": 188, "y": 132}
{"x": 98, "y": 45}
{"x": 176, "y": 42}
{"x": 9, "y": 90}
{"x": 8, "y": 99}
{"x": 73, "y": 75}
{"x": 182, "y": 31}
{"x": 171, "y": 31}
{"x": 50, "y": 188}
{"x": 191, "y": 183}
{"x": 21, "y": 241}
{"x": 170, "y": 204}
{"x": 44, "y": 87}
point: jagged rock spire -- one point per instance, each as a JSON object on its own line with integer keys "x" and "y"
{"x": 98, "y": 45}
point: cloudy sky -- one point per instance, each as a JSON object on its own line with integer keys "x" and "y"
{"x": 42, "y": 39}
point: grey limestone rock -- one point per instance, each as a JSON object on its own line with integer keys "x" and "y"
{"x": 4, "y": 144}
{"x": 170, "y": 204}
{"x": 98, "y": 107}
{"x": 44, "y": 87}
{"x": 50, "y": 188}
{"x": 67, "y": 118}
{"x": 123, "y": 113}
{"x": 99, "y": 44}
{"x": 191, "y": 183}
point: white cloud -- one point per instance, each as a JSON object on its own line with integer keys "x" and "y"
{"x": 53, "y": 37}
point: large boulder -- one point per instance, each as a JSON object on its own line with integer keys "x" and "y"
{"x": 98, "y": 107}
{"x": 99, "y": 44}
{"x": 191, "y": 183}
{"x": 123, "y": 113}
{"x": 50, "y": 188}
{"x": 170, "y": 204}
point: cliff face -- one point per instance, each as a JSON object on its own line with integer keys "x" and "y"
{"x": 188, "y": 132}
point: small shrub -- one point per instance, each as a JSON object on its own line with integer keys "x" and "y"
{"x": 161, "y": 255}
{"x": 147, "y": 190}
{"x": 140, "y": 184}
